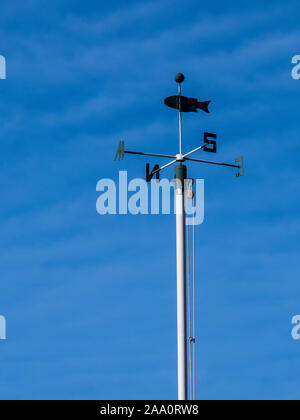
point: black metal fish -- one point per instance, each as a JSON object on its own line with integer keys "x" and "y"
{"x": 187, "y": 104}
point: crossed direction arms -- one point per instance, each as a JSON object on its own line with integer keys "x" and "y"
{"x": 181, "y": 158}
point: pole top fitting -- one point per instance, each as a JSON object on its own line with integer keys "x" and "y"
{"x": 180, "y": 157}
{"x": 179, "y": 78}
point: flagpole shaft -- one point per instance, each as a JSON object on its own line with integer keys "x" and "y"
{"x": 180, "y": 176}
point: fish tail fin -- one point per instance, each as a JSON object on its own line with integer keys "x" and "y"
{"x": 204, "y": 106}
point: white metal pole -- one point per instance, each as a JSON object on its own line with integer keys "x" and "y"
{"x": 180, "y": 119}
{"x": 180, "y": 175}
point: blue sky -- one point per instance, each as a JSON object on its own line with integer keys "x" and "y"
{"x": 90, "y": 300}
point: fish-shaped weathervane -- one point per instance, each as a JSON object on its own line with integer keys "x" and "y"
{"x": 187, "y": 104}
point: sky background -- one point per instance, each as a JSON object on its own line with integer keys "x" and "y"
{"x": 90, "y": 300}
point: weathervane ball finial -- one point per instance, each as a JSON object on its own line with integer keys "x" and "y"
{"x": 179, "y": 78}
